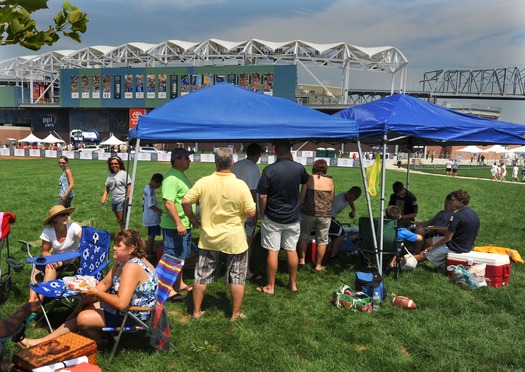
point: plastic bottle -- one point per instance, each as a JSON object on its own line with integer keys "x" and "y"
{"x": 376, "y": 301}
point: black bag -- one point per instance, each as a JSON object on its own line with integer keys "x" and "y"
{"x": 370, "y": 283}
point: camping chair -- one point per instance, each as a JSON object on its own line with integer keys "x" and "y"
{"x": 94, "y": 257}
{"x": 157, "y": 328}
{"x": 391, "y": 247}
{"x": 11, "y": 265}
{"x": 19, "y": 334}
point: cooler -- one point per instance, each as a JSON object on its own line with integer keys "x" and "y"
{"x": 311, "y": 251}
{"x": 497, "y": 272}
{"x": 348, "y": 246}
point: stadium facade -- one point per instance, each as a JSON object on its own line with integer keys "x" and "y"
{"x": 104, "y": 88}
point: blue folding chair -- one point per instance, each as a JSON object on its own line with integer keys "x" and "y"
{"x": 157, "y": 326}
{"x": 94, "y": 257}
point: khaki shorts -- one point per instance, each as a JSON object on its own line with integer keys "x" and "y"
{"x": 321, "y": 226}
{"x": 275, "y": 236}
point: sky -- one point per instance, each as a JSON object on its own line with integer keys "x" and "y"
{"x": 432, "y": 34}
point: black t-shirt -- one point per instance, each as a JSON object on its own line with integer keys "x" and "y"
{"x": 464, "y": 223}
{"x": 280, "y": 183}
{"x": 407, "y": 204}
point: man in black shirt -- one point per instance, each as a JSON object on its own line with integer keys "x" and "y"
{"x": 405, "y": 201}
{"x": 279, "y": 205}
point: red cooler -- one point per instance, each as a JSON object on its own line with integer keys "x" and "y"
{"x": 497, "y": 272}
{"x": 311, "y": 251}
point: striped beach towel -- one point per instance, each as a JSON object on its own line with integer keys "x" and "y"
{"x": 168, "y": 269}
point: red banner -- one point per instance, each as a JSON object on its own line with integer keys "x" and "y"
{"x": 134, "y": 115}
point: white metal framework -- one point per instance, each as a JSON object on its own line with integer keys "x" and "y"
{"x": 46, "y": 67}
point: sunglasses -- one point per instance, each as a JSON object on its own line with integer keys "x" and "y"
{"x": 63, "y": 214}
{"x": 62, "y": 162}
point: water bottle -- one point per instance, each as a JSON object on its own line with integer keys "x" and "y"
{"x": 376, "y": 301}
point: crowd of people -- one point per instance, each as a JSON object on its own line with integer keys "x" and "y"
{"x": 291, "y": 205}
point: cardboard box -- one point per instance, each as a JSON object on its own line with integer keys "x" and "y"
{"x": 497, "y": 272}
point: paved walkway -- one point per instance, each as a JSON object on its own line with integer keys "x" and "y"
{"x": 395, "y": 168}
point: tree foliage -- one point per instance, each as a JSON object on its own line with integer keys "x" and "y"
{"x": 17, "y": 26}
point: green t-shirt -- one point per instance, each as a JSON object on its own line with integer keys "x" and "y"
{"x": 174, "y": 187}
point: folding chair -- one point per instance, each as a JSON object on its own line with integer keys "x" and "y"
{"x": 157, "y": 326}
{"x": 19, "y": 334}
{"x": 391, "y": 247}
{"x": 94, "y": 257}
{"x": 11, "y": 265}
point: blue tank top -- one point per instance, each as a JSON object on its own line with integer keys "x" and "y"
{"x": 64, "y": 184}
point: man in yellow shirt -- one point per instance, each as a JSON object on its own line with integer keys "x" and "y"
{"x": 225, "y": 203}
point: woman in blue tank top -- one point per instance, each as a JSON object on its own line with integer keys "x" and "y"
{"x": 66, "y": 183}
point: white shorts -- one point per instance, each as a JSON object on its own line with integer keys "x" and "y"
{"x": 275, "y": 236}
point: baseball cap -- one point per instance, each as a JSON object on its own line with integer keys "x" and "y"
{"x": 180, "y": 152}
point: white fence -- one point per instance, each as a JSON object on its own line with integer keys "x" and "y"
{"x": 303, "y": 157}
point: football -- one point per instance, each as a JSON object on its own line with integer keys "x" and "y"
{"x": 404, "y": 302}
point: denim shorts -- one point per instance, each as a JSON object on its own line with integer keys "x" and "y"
{"x": 115, "y": 320}
{"x": 175, "y": 245}
{"x": 119, "y": 207}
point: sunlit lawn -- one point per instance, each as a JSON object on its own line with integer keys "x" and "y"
{"x": 452, "y": 329}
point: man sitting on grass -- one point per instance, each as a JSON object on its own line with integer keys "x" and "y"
{"x": 462, "y": 231}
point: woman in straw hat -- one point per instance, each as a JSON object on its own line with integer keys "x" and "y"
{"x": 60, "y": 236}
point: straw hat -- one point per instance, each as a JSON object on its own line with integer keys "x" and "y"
{"x": 55, "y": 211}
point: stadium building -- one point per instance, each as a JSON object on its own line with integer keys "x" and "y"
{"x": 105, "y": 88}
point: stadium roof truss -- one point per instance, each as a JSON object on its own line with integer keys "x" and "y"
{"x": 47, "y": 66}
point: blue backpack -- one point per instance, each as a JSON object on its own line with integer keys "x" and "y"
{"x": 370, "y": 283}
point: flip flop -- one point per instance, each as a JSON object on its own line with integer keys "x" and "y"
{"x": 187, "y": 288}
{"x": 262, "y": 290}
{"x": 176, "y": 296}
{"x": 23, "y": 343}
{"x": 238, "y": 316}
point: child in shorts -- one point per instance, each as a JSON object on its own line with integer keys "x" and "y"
{"x": 151, "y": 212}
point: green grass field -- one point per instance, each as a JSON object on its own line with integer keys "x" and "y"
{"x": 452, "y": 329}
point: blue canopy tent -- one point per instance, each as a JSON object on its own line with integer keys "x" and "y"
{"x": 226, "y": 112}
{"x": 406, "y": 120}
{"x": 229, "y": 112}
{"x": 410, "y": 121}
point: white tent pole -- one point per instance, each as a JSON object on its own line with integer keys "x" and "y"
{"x": 133, "y": 176}
{"x": 382, "y": 206}
{"x": 368, "y": 201}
